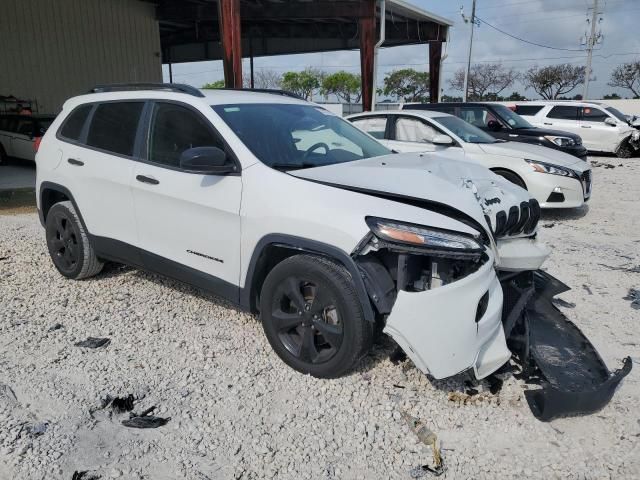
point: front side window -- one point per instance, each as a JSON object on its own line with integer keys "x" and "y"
{"x": 463, "y": 130}
{"x": 174, "y": 129}
{"x": 563, "y": 112}
{"x": 618, "y": 114}
{"x": 593, "y": 115}
{"x": 374, "y": 126}
{"x": 114, "y": 126}
{"x": 72, "y": 127}
{"x": 414, "y": 130}
{"x": 289, "y": 136}
{"x": 511, "y": 117}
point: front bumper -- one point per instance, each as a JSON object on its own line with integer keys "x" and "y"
{"x": 439, "y": 330}
{"x": 554, "y": 191}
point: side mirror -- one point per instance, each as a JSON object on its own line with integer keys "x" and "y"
{"x": 206, "y": 161}
{"x": 494, "y": 126}
{"x": 610, "y": 121}
{"x": 444, "y": 140}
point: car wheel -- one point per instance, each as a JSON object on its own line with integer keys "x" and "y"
{"x": 625, "y": 150}
{"x": 512, "y": 177}
{"x": 68, "y": 243}
{"x": 312, "y": 316}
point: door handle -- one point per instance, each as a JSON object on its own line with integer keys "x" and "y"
{"x": 548, "y": 123}
{"x": 149, "y": 180}
{"x": 75, "y": 162}
{"x": 585, "y": 126}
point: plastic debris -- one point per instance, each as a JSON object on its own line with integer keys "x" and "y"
{"x": 427, "y": 437}
{"x": 39, "y": 429}
{"x": 634, "y": 296}
{"x": 422, "y": 470}
{"x": 563, "y": 303}
{"x": 144, "y": 420}
{"x": 84, "y": 475}
{"x": 55, "y": 326}
{"x": 548, "y": 225}
{"x": 122, "y": 404}
{"x": 93, "y": 342}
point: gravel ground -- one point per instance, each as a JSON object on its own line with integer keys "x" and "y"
{"x": 238, "y": 412}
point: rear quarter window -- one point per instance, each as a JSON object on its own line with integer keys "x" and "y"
{"x": 563, "y": 112}
{"x": 528, "y": 110}
{"x": 72, "y": 127}
{"x": 114, "y": 126}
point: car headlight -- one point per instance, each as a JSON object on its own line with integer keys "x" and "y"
{"x": 561, "y": 141}
{"x": 552, "y": 169}
{"x": 426, "y": 237}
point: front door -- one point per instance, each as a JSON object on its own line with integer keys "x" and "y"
{"x": 596, "y": 134}
{"x": 563, "y": 117}
{"x": 188, "y": 219}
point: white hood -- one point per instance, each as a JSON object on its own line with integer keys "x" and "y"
{"x": 535, "y": 152}
{"x": 467, "y": 187}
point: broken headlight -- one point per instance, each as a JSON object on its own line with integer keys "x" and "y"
{"x": 551, "y": 169}
{"x": 421, "y": 236}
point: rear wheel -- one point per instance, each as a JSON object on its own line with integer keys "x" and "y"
{"x": 69, "y": 245}
{"x": 312, "y": 316}
{"x": 512, "y": 177}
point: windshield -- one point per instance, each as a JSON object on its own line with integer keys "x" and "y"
{"x": 511, "y": 117}
{"x": 618, "y": 114}
{"x": 467, "y": 132}
{"x": 288, "y": 136}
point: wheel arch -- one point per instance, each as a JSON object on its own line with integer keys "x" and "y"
{"x": 497, "y": 171}
{"x": 52, "y": 193}
{"x": 273, "y": 249}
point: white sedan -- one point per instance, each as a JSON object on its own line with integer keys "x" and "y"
{"x": 554, "y": 178}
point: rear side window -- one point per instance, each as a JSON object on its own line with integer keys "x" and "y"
{"x": 528, "y": 109}
{"x": 174, "y": 129}
{"x": 114, "y": 126}
{"x": 593, "y": 114}
{"x": 374, "y": 126}
{"x": 563, "y": 112}
{"x": 72, "y": 127}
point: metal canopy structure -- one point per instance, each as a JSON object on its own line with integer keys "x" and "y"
{"x": 227, "y": 30}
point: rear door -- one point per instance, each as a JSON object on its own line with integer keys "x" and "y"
{"x": 98, "y": 164}
{"x": 596, "y": 134}
{"x": 23, "y": 137}
{"x": 190, "y": 219}
{"x": 563, "y": 117}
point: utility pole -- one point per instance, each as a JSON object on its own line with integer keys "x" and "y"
{"x": 473, "y": 23}
{"x": 591, "y": 41}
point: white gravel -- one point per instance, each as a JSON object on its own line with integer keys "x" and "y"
{"x": 238, "y": 412}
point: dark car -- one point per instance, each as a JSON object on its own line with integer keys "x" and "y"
{"x": 19, "y": 134}
{"x": 504, "y": 124}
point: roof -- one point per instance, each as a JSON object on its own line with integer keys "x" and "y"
{"x": 189, "y": 29}
{"x": 410, "y": 113}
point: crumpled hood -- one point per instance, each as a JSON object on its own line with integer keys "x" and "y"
{"x": 535, "y": 152}
{"x": 467, "y": 187}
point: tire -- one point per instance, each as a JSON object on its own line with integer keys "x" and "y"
{"x": 512, "y": 177}
{"x": 312, "y": 316}
{"x": 69, "y": 245}
{"x": 625, "y": 150}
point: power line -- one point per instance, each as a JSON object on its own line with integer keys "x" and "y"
{"x": 528, "y": 41}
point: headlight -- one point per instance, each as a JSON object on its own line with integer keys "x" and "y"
{"x": 420, "y": 236}
{"x": 552, "y": 169}
{"x": 561, "y": 141}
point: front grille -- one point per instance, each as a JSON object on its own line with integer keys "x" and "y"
{"x": 522, "y": 219}
{"x": 585, "y": 179}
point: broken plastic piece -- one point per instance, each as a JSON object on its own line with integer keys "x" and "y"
{"x": 122, "y": 404}
{"x": 39, "y": 429}
{"x": 634, "y": 296}
{"x": 144, "y": 420}
{"x": 427, "y": 437}
{"x": 83, "y": 476}
{"x": 93, "y": 342}
{"x": 422, "y": 470}
{"x": 55, "y": 326}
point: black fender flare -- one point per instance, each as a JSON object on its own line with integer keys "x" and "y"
{"x": 64, "y": 191}
{"x": 304, "y": 245}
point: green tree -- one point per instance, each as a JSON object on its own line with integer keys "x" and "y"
{"x": 486, "y": 80}
{"x": 611, "y": 96}
{"x": 515, "y": 97}
{"x": 344, "y": 85}
{"x": 553, "y": 81}
{"x": 302, "y": 83}
{"x": 407, "y": 84}
{"x": 216, "y": 84}
{"x": 627, "y": 76}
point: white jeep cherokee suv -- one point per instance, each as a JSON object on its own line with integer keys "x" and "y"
{"x": 291, "y": 212}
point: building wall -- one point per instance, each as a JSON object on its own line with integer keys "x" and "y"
{"x": 52, "y": 50}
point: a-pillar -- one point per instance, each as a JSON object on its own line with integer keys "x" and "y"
{"x": 229, "y": 19}
{"x": 367, "y": 44}
{"x": 435, "y": 57}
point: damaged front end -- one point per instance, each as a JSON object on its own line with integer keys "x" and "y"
{"x": 552, "y": 351}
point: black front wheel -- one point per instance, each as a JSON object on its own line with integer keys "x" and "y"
{"x": 312, "y": 316}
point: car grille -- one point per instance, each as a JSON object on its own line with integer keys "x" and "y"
{"x": 585, "y": 179}
{"x": 517, "y": 220}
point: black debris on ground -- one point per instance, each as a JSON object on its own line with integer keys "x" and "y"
{"x": 144, "y": 420}
{"x": 397, "y": 356}
{"x": 93, "y": 342}
{"x": 469, "y": 388}
{"x": 563, "y": 303}
{"x": 122, "y": 404}
{"x": 495, "y": 384}
{"x": 84, "y": 475}
{"x": 548, "y": 225}
{"x": 424, "y": 470}
{"x": 54, "y": 327}
{"x": 588, "y": 290}
{"x": 635, "y": 269}
{"x": 634, "y": 296}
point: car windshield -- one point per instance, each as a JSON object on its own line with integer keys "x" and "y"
{"x": 618, "y": 114}
{"x": 511, "y": 117}
{"x": 289, "y": 136}
{"x": 467, "y": 132}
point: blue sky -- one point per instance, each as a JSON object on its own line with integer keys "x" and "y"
{"x": 557, "y": 23}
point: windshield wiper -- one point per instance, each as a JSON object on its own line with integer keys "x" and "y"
{"x": 292, "y": 166}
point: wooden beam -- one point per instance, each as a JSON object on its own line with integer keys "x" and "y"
{"x": 367, "y": 43}
{"x": 229, "y": 24}
{"x": 435, "y": 56}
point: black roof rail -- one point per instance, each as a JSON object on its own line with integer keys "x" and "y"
{"x": 274, "y": 91}
{"x": 126, "y": 87}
